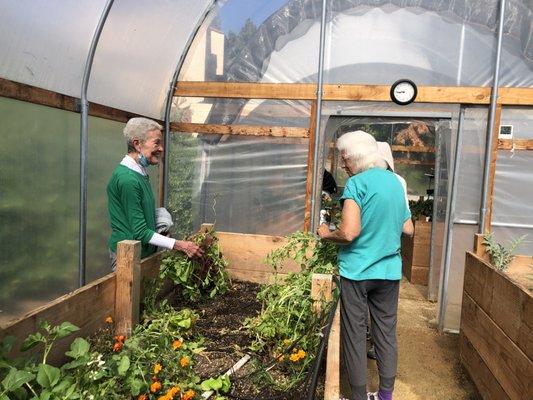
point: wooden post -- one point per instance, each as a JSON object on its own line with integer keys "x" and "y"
{"x": 492, "y": 167}
{"x": 204, "y": 228}
{"x": 310, "y": 163}
{"x": 321, "y": 290}
{"x": 332, "y": 389}
{"x": 128, "y": 286}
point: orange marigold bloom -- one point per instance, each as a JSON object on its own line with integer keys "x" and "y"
{"x": 188, "y": 395}
{"x": 117, "y": 346}
{"x": 142, "y": 397}
{"x": 109, "y": 320}
{"x": 301, "y": 353}
{"x": 173, "y": 391}
{"x": 155, "y": 387}
{"x": 157, "y": 368}
{"x": 120, "y": 338}
{"x": 184, "y": 361}
{"x": 164, "y": 397}
{"x": 176, "y": 344}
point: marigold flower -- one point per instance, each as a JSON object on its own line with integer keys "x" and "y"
{"x": 164, "y": 397}
{"x": 117, "y": 346}
{"x": 173, "y": 391}
{"x": 294, "y": 357}
{"x": 155, "y": 387}
{"x": 109, "y": 320}
{"x": 176, "y": 344}
{"x": 184, "y": 361}
{"x": 120, "y": 338}
{"x": 142, "y": 397}
{"x": 188, "y": 395}
{"x": 301, "y": 353}
{"x": 281, "y": 358}
{"x": 157, "y": 368}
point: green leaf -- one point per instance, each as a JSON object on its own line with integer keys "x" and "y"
{"x": 7, "y": 344}
{"x": 136, "y": 386}
{"x": 32, "y": 341}
{"x": 16, "y": 379}
{"x": 123, "y": 365}
{"x": 78, "y": 348}
{"x": 45, "y": 395}
{"x": 185, "y": 323}
{"x": 48, "y": 376}
{"x": 65, "y": 329}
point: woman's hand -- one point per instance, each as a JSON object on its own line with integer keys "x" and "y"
{"x": 323, "y": 230}
{"x": 189, "y": 248}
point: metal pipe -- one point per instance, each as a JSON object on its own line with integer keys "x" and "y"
{"x": 170, "y": 96}
{"x": 314, "y": 191}
{"x": 450, "y": 212}
{"x": 491, "y": 119}
{"x": 433, "y": 288}
{"x": 512, "y": 225}
{"x": 84, "y": 144}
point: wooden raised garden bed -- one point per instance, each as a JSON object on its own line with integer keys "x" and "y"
{"x": 119, "y": 295}
{"x": 496, "y": 337}
{"x": 415, "y": 253}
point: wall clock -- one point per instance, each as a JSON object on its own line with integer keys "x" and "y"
{"x": 403, "y": 92}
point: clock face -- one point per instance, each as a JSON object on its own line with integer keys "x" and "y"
{"x": 403, "y": 92}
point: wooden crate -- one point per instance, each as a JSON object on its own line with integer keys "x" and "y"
{"x": 415, "y": 253}
{"x": 496, "y": 340}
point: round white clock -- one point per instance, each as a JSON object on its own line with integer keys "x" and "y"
{"x": 403, "y": 92}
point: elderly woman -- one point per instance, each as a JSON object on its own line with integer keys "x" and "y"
{"x": 374, "y": 215}
{"x": 131, "y": 204}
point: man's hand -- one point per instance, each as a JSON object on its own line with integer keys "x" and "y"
{"x": 323, "y": 230}
{"x": 189, "y": 248}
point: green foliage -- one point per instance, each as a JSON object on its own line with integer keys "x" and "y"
{"x": 501, "y": 256}
{"x": 421, "y": 207}
{"x": 111, "y": 372}
{"x": 288, "y": 328}
{"x": 182, "y": 179}
{"x": 206, "y": 276}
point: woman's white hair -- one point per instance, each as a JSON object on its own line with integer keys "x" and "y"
{"x": 138, "y": 128}
{"x": 362, "y": 149}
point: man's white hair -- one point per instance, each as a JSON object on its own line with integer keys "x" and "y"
{"x": 362, "y": 149}
{"x": 138, "y": 128}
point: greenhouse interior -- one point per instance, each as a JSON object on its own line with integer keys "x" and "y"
{"x": 251, "y": 97}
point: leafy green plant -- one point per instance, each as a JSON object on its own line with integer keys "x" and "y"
{"x": 501, "y": 256}
{"x": 421, "y": 207}
{"x": 288, "y": 328}
{"x": 206, "y": 276}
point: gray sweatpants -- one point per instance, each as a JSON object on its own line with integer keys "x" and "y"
{"x": 380, "y": 297}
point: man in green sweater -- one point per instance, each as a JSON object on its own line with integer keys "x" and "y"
{"x": 131, "y": 203}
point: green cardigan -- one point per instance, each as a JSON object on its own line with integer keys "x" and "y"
{"x": 131, "y": 209}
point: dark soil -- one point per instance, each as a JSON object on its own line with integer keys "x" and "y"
{"x": 226, "y": 341}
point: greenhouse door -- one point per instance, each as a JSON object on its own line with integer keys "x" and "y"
{"x": 422, "y": 152}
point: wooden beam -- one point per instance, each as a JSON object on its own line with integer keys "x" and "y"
{"x": 32, "y": 94}
{"x": 248, "y": 130}
{"x": 128, "y": 287}
{"x": 351, "y": 92}
{"x": 332, "y": 389}
{"x": 517, "y": 144}
{"x": 412, "y": 149}
{"x": 413, "y": 162}
{"x": 310, "y": 163}
{"x": 492, "y": 167}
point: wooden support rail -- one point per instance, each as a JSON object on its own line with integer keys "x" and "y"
{"x": 128, "y": 286}
{"x": 350, "y": 92}
{"x": 249, "y": 130}
{"x": 516, "y": 144}
{"x": 32, "y": 94}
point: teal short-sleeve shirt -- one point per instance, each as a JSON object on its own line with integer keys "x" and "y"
{"x": 375, "y": 253}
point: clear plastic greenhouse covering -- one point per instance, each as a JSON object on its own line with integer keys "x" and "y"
{"x": 241, "y": 184}
{"x": 513, "y": 186}
{"x": 46, "y": 43}
{"x": 371, "y": 42}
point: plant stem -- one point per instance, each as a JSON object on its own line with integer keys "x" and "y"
{"x": 33, "y": 391}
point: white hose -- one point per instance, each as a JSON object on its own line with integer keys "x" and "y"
{"x": 229, "y": 372}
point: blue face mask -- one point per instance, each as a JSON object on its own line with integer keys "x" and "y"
{"x": 143, "y": 161}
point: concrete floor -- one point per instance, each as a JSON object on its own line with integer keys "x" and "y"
{"x": 428, "y": 365}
